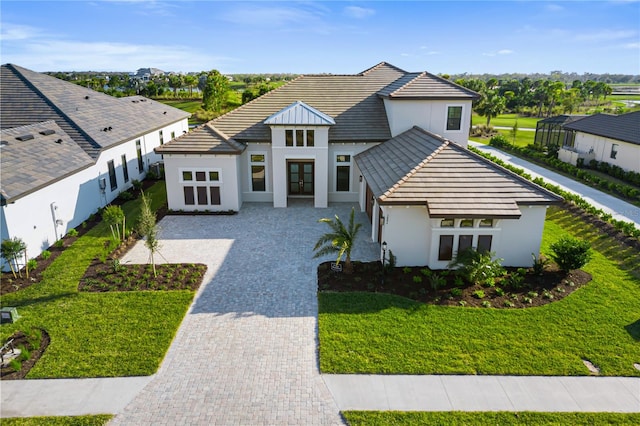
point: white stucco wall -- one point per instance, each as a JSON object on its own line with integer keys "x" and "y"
{"x": 628, "y": 157}
{"x": 352, "y": 149}
{"x": 414, "y": 238}
{"x": 318, "y": 154}
{"x": 430, "y": 115}
{"x": 226, "y": 165}
{"x": 248, "y": 194}
{"x": 33, "y": 218}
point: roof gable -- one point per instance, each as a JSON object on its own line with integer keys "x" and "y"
{"x": 421, "y": 168}
{"x": 426, "y": 86}
{"x": 299, "y": 113}
{"x": 625, "y": 127}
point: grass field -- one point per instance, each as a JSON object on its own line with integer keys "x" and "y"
{"x": 457, "y": 418}
{"x": 523, "y": 137}
{"x": 97, "y": 420}
{"x": 384, "y": 334}
{"x": 506, "y": 120}
{"x": 97, "y": 334}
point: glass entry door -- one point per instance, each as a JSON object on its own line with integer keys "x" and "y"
{"x": 300, "y": 178}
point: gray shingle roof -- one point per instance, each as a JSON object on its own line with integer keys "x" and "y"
{"x": 29, "y": 97}
{"x": 32, "y": 163}
{"x": 420, "y": 168}
{"x": 625, "y": 127}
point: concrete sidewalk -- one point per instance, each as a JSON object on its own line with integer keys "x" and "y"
{"x": 485, "y": 393}
{"x": 73, "y": 397}
{"x": 620, "y": 210}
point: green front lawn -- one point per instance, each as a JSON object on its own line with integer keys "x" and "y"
{"x": 378, "y": 333}
{"x": 391, "y": 418}
{"x": 97, "y": 334}
{"x": 523, "y": 138}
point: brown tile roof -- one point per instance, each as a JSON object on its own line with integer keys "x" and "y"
{"x": 28, "y": 97}
{"x": 204, "y": 139}
{"x": 426, "y": 86}
{"x": 300, "y": 114}
{"x": 420, "y": 168}
{"x": 35, "y": 156}
{"x": 625, "y": 127}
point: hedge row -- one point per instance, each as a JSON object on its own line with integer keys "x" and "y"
{"x": 627, "y": 228}
{"x": 626, "y": 191}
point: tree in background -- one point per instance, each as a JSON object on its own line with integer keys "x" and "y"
{"x": 214, "y": 92}
{"x": 175, "y": 82}
{"x": 491, "y": 105}
{"x": 190, "y": 81}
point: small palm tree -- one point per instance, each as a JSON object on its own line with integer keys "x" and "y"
{"x": 340, "y": 239}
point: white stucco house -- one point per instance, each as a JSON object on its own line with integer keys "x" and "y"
{"x": 392, "y": 141}
{"x": 66, "y": 151}
{"x": 614, "y": 139}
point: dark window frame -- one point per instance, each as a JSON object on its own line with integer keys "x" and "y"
{"x": 113, "y": 180}
{"x": 454, "y": 118}
{"x": 125, "y": 168}
{"x": 445, "y": 248}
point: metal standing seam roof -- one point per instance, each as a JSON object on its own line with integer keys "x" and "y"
{"x": 420, "y": 168}
{"x": 625, "y": 127}
{"x": 36, "y": 155}
{"x": 300, "y": 114}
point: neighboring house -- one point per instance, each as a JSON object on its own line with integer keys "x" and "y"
{"x": 550, "y": 131}
{"x": 614, "y": 139}
{"x": 362, "y": 138}
{"x": 66, "y": 151}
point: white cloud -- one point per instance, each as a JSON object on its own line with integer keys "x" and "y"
{"x": 499, "y": 52}
{"x": 554, "y": 7}
{"x": 10, "y": 31}
{"x": 606, "y": 35}
{"x": 635, "y": 45}
{"x": 58, "y": 55}
{"x": 358, "y": 12}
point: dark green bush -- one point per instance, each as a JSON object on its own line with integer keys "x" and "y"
{"x": 570, "y": 253}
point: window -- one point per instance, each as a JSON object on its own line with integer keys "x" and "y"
{"x": 464, "y": 242}
{"x": 454, "y": 117}
{"x": 258, "y": 172}
{"x": 161, "y": 137}
{"x": 446, "y": 223}
{"x": 614, "y": 150}
{"x": 484, "y": 243}
{"x": 486, "y": 223}
{"x": 446, "y": 247}
{"x": 173, "y": 135}
{"x": 112, "y": 175}
{"x": 139, "y": 152}
{"x": 299, "y": 137}
{"x": 189, "y": 199}
{"x": 343, "y": 172}
{"x": 203, "y": 194}
{"x": 466, "y": 223}
{"x": 125, "y": 168}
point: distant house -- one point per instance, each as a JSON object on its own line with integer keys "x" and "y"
{"x": 66, "y": 151}
{"x": 390, "y": 140}
{"x": 550, "y": 131}
{"x": 614, "y": 139}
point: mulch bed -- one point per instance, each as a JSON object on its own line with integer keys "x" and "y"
{"x": 21, "y": 339}
{"x": 535, "y": 290}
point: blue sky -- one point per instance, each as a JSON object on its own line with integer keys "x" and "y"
{"x": 315, "y": 37}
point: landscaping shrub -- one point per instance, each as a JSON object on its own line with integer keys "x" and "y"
{"x": 570, "y": 253}
{"x": 477, "y": 267}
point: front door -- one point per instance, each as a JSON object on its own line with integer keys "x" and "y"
{"x": 300, "y": 178}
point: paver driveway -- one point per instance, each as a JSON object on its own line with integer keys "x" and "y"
{"x": 246, "y": 353}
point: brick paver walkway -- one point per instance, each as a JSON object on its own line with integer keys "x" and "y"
{"x": 246, "y": 353}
